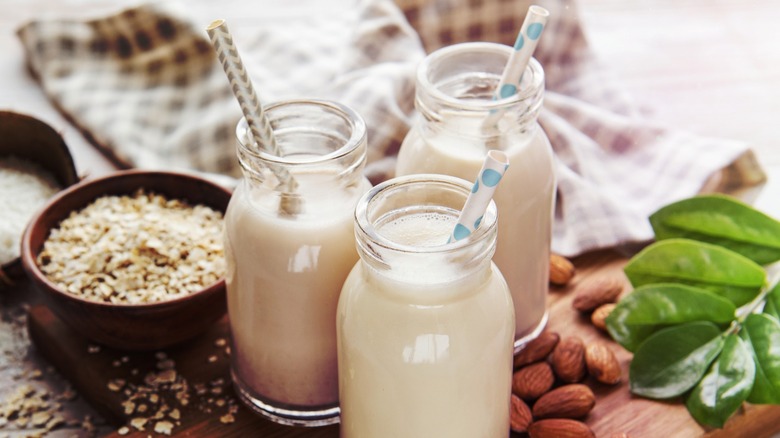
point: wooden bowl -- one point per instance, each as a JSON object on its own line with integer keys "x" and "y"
{"x": 32, "y": 140}
{"x": 128, "y": 326}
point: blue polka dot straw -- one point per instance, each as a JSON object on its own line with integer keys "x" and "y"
{"x": 493, "y": 168}
{"x": 526, "y": 42}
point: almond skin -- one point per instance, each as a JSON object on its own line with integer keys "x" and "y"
{"x": 599, "y": 316}
{"x": 537, "y": 349}
{"x": 595, "y": 292}
{"x": 602, "y": 363}
{"x": 561, "y": 270}
{"x": 568, "y": 359}
{"x": 568, "y": 401}
{"x": 559, "y": 428}
{"x": 520, "y": 416}
{"x": 531, "y": 381}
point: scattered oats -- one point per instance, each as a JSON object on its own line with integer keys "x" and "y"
{"x": 220, "y": 342}
{"x": 139, "y": 423}
{"x": 36, "y": 374}
{"x": 134, "y": 249}
{"x": 213, "y": 358}
{"x": 220, "y": 402}
{"x": 56, "y": 421}
{"x": 227, "y": 350}
{"x": 163, "y": 427}
{"x": 116, "y": 385}
{"x": 218, "y": 382}
{"x": 124, "y": 430}
{"x": 227, "y": 419}
{"x": 175, "y": 414}
{"x": 39, "y": 419}
{"x": 129, "y": 407}
{"x": 216, "y": 391}
{"x": 154, "y": 398}
{"x": 92, "y": 349}
{"x": 134, "y": 372}
{"x": 116, "y": 363}
{"x": 87, "y": 425}
{"x": 142, "y": 408}
{"x": 200, "y": 389}
{"x": 166, "y": 376}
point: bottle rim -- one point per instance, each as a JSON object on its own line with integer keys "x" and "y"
{"x": 366, "y": 230}
{"x": 357, "y": 137}
{"x": 455, "y": 50}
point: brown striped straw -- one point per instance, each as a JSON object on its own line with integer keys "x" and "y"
{"x": 241, "y": 84}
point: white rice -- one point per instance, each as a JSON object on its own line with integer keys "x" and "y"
{"x": 24, "y": 187}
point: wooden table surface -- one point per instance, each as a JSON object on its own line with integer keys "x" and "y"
{"x": 711, "y": 67}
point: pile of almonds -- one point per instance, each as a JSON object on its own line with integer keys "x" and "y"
{"x": 548, "y": 398}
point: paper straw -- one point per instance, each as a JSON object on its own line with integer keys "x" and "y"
{"x": 227, "y": 52}
{"x": 493, "y": 168}
{"x": 526, "y": 42}
{"x": 241, "y": 84}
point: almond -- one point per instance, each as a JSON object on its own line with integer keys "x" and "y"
{"x": 520, "y": 416}
{"x": 559, "y": 428}
{"x": 599, "y": 316}
{"x": 537, "y": 349}
{"x": 568, "y": 401}
{"x": 602, "y": 363}
{"x": 561, "y": 270}
{"x": 597, "y": 291}
{"x": 533, "y": 380}
{"x": 568, "y": 359}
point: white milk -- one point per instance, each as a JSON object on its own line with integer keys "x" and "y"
{"x": 524, "y": 198}
{"x": 425, "y": 347}
{"x": 283, "y": 285}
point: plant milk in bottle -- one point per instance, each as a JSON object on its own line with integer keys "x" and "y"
{"x": 454, "y": 98}
{"x": 425, "y": 329}
{"x": 288, "y": 255}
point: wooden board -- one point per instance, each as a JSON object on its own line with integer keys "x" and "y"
{"x": 202, "y": 362}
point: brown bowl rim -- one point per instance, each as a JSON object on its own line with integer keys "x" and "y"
{"x": 13, "y": 268}
{"x": 31, "y": 266}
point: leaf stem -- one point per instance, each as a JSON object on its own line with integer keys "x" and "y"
{"x": 751, "y": 307}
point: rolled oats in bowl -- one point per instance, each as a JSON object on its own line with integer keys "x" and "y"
{"x": 135, "y": 249}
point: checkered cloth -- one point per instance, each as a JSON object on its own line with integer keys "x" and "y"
{"x": 144, "y": 86}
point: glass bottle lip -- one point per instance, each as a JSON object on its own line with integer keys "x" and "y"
{"x": 357, "y": 127}
{"x": 366, "y": 229}
{"x": 442, "y": 54}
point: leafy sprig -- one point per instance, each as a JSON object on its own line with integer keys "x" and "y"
{"x": 703, "y": 321}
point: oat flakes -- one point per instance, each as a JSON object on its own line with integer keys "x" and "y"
{"x": 135, "y": 249}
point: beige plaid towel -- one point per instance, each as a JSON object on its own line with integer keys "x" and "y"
{"x": 144, "y": 86}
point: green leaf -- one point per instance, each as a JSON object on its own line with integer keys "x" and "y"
{"x": 772, "y": 302}
{"x": 672, "y": 361}
{"x": 763, "y": 336}
{"x": 725, "y": 386}
{"x": 699, "y": 264}
{"x": 652, "y": 307}
{"x": 723, "y": 221}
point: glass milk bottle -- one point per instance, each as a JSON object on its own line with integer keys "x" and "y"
{"x": 452, "y": 134}
{"x": 425, "y": 327}
{"x": 288, "y": 255}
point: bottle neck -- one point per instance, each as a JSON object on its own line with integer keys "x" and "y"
{"x": 316, "y": 140}
{"x": 456, "y": 86}
{"x": 403, "y": 226}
